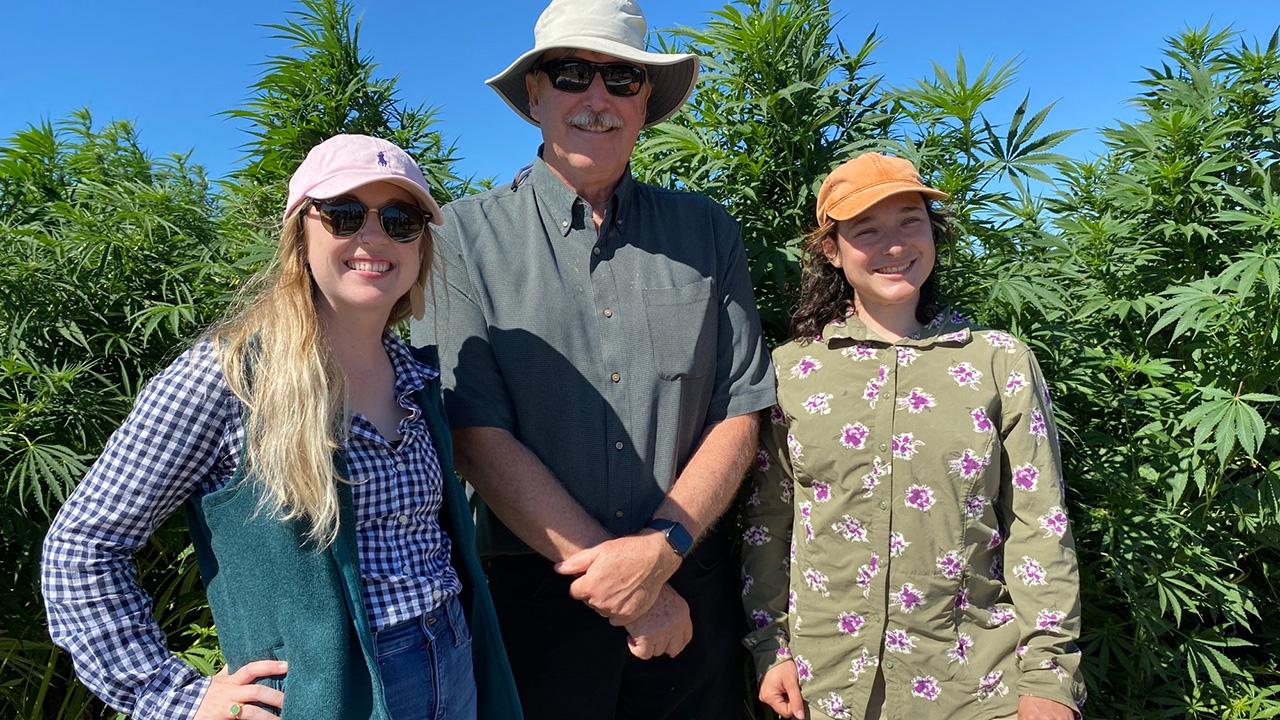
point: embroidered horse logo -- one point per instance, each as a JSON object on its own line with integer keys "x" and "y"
{"x": 382, "y": 160}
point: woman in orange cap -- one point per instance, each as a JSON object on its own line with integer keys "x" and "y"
{"x": 907, "y": 551}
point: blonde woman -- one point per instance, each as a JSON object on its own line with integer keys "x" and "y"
{"x": 309, "y": 447}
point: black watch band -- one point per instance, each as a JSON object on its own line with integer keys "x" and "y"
{"x": 677, "y": 537}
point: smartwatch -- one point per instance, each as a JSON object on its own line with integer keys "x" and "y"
{"x": 677, "y": 537}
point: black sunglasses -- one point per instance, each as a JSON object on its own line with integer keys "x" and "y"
{"x": 344, "y": 216}
{"x": 574, "y": 76}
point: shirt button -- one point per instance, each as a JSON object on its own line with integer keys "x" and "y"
{"x": 608, "y": 312}
{"x": 618, "y": 445}
{"x": 883, "y": 447}
{"x": 889, "y": 663}
{"x": 884, "y": 504}
{"x": 618, "y": 514}
{"x": 616, "y": 377}
{"x": 564, "y": 223}
{"x": 595, "y": 250}
{"x": 404, "y": 519}
{"x": 400, "y": 467}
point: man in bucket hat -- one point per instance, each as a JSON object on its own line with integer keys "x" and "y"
{"x": 603, "y": 366}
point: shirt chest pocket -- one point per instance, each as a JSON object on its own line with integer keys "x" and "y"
{"x": 682, "y": 329}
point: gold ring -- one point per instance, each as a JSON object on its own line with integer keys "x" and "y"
{"x": 234, "y": 710}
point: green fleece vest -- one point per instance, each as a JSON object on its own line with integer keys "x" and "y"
{"x": 274, "y": 596}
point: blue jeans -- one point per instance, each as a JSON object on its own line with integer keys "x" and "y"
{"x": 426, "y": 666}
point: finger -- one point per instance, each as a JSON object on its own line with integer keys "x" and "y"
{"x": 262, "y": 694}
{"x": 772, "y": 696}
{"x": 795, "y": 702}
{"x": 577, "y": 563}
{"x": 251, "y": 712}
{"x": 641, "y": 647}
{"x": 259, "y": 668}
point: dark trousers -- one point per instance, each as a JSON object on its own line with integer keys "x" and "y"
{"x": 570, "y": 663}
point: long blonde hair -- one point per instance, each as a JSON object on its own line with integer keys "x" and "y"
{"x": 273, "y": 352}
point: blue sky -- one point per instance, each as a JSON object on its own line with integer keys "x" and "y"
{"x": 171, "y": 67}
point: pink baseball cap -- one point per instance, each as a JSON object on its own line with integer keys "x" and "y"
{"x": 345, "y": 162}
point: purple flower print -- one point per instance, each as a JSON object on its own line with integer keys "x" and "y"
{"x": 1001, "y": 340}
{"x": 818, "y": 404}
{"x": 960, "y": 651}
{"x": 776, "y": 416}
{"x": 958, "y": 318}
{"x": 1000, "y": 616}
{"x": 1039, "y": 428}
{"x": 917, "y": 401}
{"x": 951, "y": 565}
{"x": 850, "y": 623}
{"x": 962, "y": 599}
{"x": 937, "y": 321}
{"x": 957, "y": 336}
{"x": 1054, "y": 522}
{"x": 970, "y": 464}
{"x": 754, "y": 499}
{"x": 859, "y": 352}
{"x": 991, "y": 685}
{"x": 1026, "y": 477}
{"x": 1050, "y": 620}
{"x": 872, "y": 392}
{"x": 909, "y": 597}
{"x": 805, "y": 367}
{"x": 920, "y": 497}
{"x": 965, "y": 375}
{"x": 786, "y": 487}
{"x": 974, "y": 505}
{"x": 821, "y": 491}
{"x": 862, "y": 663}
{"x": 981, "y": 423}
{"x": 905, "y": 445}
{"x": 783, "y": 653}
{"x": 851, "y": 529}
{"x": 925, "y": 686}
{"x": 834, "y": 707}
{"x": 867, "y": 573}
{"x": 854, "y": 435}
{"x": 878, "y": 470}
{"x": 1058, "y": 670}
{"x": 997, "y": 568}
{"x": 756, "y": 535}
{"x": 817, "y": 581}
{"x": 996, "y": 539}
{"x": 791, "y": 553}
{"x": 797, "y": 450}
{"x": 803, "y": 670}
{"x": 897, "y": 544}
{"x": 806, "y": 519}
{"x": 1016, "y": 383}
{"x": 898, "y": 641}
{"x": 1030, "y": 572}
{"x": 747, "y": 582}
{"x": 1020, "y": 651}
{"x": 793, "y": 601}
{"x": 762, "y": 460}
{"x": 759, "y": 618}
{"x": 907, "y": 355}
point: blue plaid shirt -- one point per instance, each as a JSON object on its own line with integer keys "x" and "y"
{"x": 183, "y": 439}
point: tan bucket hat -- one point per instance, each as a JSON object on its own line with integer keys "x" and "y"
{"x": 611, "y": 27}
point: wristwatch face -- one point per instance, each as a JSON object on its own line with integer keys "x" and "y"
{"x": 676, "y": 535}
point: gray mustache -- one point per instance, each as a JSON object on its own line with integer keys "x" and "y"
{"x": 595, "y": 121}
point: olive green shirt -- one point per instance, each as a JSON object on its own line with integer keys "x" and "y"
{"x": 907, "y": 517}
{"x": 608, "y": 354}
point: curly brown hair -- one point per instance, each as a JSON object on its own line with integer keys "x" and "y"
{"x": 826, "y": 295}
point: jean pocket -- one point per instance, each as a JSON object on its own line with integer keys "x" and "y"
{"x": 682, "y": 329}
{"x": 458, "y": 622}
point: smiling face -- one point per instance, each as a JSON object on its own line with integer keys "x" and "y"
{"x": 360, "y": 278}
{"x": 886, "y": 253}
{"x": 588, "y": 136}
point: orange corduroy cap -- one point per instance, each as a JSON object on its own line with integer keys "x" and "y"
{"x": 866, "y": 180}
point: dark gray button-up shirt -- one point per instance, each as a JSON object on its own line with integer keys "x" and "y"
{"x": 608, "y": 355}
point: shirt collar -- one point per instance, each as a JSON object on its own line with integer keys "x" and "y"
{"x": 947, "y": 328}
{"x": 411, "y": 374}
{"x": 560, "y": 203}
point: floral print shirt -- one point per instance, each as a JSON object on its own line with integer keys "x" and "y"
{"x": 907, "y": 517}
